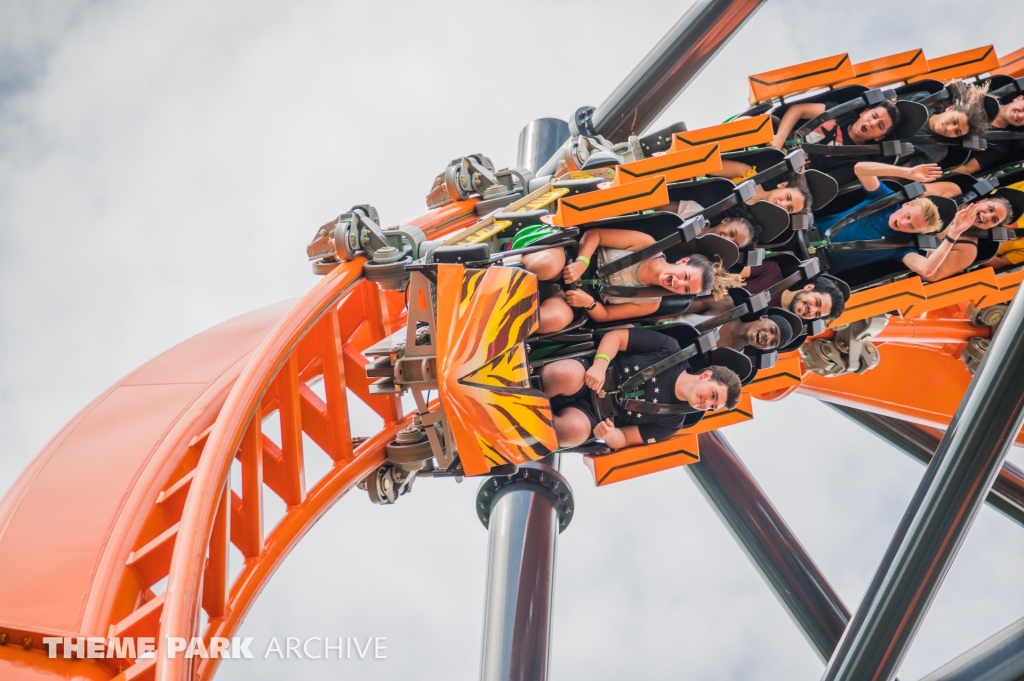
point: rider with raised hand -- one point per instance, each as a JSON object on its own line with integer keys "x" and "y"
{"x": 919, "y": 216}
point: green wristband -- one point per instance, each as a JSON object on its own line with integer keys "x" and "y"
{"x": 584, "y": 259}
{"x": 603, "y": 356}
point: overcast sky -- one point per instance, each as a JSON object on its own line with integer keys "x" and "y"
{"x": 162, "y": 166}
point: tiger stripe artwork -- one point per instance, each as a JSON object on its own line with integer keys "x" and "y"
{"x": 483, "y": 320}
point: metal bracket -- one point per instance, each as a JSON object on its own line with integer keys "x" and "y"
{"x": 850, "y": 350}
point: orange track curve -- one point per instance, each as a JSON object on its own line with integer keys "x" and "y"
{"x": 123, "y": 491}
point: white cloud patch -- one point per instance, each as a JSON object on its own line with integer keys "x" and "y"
{"x": 162, "y": 166}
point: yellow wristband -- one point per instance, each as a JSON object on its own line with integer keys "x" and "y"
{"x": 603, "y": 356}
{"x": 585, "y": 259}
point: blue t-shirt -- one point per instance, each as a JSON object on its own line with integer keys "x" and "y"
{"x": 874, "y": 226}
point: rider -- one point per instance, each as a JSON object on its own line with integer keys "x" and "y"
{"x": 627, "y": 352}
{"x": 918, "y": 216}
{"x": 998, "y": 152}
{"x": 767, "y": 332}
{"x": 691, "y": 275}
{"x": 963, "y": 115}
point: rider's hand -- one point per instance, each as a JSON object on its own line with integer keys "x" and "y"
{"x": 574, "y": 271}
{"x": 926, "y": 172}
{"x": 594, "y": 378}
{"x": 578, "y": 298}
{"x": 603, "y": 428}
{"x": 778, "y": 141}
{"x": 963, "y": 221}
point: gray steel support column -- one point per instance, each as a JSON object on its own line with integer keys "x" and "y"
{"x": 940, "y": 514}
{"x": 997, "y": 658}
{"x": 920, "y": 443}
{"x": 670, "y": 66}
{"x": 770, "y": 544}
{"x": 539, "y": 141}
{"x": 524, "y": 513}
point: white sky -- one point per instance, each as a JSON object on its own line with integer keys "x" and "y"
{"x": 162, "y": 166}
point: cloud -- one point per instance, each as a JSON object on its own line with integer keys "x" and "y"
{"x": 162, "y": 166}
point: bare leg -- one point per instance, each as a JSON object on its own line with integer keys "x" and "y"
{"x": 555, "y": 314}
{"x": 547, "y": 264}
{"x": 564, "y": 377}
{"x": 572, "y": 427}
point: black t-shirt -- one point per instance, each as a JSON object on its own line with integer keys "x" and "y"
{"x": 645, "y": 348}
{"x": 836, "y": 133}
{"x": 1000, "y": 152}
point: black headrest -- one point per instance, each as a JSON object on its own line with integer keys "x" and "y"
{"x": 705, "y": 192}
{"x": 947, "y": 208}
{"x": 657, "y": 225}
{"x": 964, "y": 181}
{"x": 762, "y": 159}
{"x": 913, "y": 117}
{"x": 711, "y": 246}
{"x": 823, "y": 187}
{"x": 601, "y": 159}
{"x": 844, "y": 288}
{"x": 724, "y": 357}
{"x": 991, "y": 107}
{"x": 1015, "y": 198}
{"x": 795, "y": 330}
{"x": 928, "y": 86}
{"x": 774, "y": 220}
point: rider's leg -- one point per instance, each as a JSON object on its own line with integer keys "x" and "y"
{"x": 572, "y": 427}
{"x": 564, "y": 377}
{"x": 555, "y": 314}
{"x": 547, "y": 264}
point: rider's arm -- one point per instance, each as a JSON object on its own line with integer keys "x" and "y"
{"x": 793, "y": 115}
{"x": 928, "y": 266}
{"x": 971, "y": 167}
{"x": 616, "y": 311}
{"x": 960, "y": 258}
{"x": 617, "y": 438}
{"x": 868, "y": 173}
{"x": 626, "y": 239}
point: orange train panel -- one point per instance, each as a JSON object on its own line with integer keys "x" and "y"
{"x": 961, "y": 64}
{"x": 807, "y": 76}
{"x": 607, "y": 203}
{"x": 899, "y": 295}
{"x": 721, "y": 418}
{"x": 785, "y": 374}
{"x": 976, "y": 287}
{"x": 888, "y": 70}
{"x": 732, "y": 136}
{"x": 675, "y": 166}
{"x": 1011, "y": 64}
{"x": 634, "y": 462}
{"x": 923, "y": 384}
{"x": 1008, "y": 285}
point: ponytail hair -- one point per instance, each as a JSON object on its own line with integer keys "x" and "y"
{"x": 715, "y": 278}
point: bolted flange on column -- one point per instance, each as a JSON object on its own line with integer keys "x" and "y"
{"x": 545, "y": 481}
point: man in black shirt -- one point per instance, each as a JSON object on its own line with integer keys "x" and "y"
{"x": 630, "y": 351}
{"x": 870, "y": 126}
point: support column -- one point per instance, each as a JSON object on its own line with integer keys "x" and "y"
{"x": 770, "y": 544}
{"x": 920, "y": 443}
{"x": 524, "y": 513}
{"x": 997, "y": 658}
{"x": 940, "y": 514}
{"x": 539, "y": 141}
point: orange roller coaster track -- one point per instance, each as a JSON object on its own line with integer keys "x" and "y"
{"x": 152, "y": 500}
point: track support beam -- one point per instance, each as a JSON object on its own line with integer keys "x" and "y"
{"x": 920, "y": 443}
{"x": 771, "y": 545}
{"x": 940, "y": 514}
